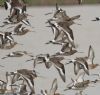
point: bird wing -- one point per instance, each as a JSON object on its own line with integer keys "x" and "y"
{"x": 64, "y": 47}
{"x": 54, "y": 58}
{"x": 75, "y": 17}
{"x": 57, "y": 33}
{"x": 76, "y": 68}
{"x": 83, "y": 64}
{"x": 91, "y": 54}
{"x": 17, "y": 27}
{"x": 80, "y": 77}
{"x": 7, "y": 5}
{"x": 53, "y": 87}
{"x": 69, "y": 30}
{"x": 68, "y": 35}
{"x": 61, "y": 69}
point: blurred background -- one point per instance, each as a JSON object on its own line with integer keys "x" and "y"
{"x": 52, "y": 2}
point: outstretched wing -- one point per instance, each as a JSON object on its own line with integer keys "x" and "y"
{"x": 83, "y": 65}
{"x": 53, "y": 87}
{"x": 61, "y": 70}
{"x": 91, "y": 54}
{"x": 75, "y": 17}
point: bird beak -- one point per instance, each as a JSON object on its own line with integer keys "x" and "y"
{"x": 38, "y": 75}
{"x": 68, "y": 88}
{"x": 30, "y": 15}
{"x": 41, "y": 77}
{"x": 49, "y": 26}
{"x": 13, "y": 85}
{"x": 48, "y": 13}
{"x": 47, "y": 21}
{"x": 67, "y": 63}
{"x": 18, "y": 43}
{"x": 29, "y": 60}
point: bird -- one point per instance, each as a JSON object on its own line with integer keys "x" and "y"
{"x": 16, "y": 54}
{"x": 96, "y": 19}
{"x": 11, "y": 4}
{"x": 65, "y": 36}
{"x": 26, "y": 75}
{"x": 79, "y": 83}
{"x": 22, "y": 89}
{"x": 68, "y": 36}
{"x": 57, "y": 34}
{"x": 19, "y": 30}
{"x": 48, "y": 60}
{"x": 97, "y": 80}
{"x": 7, "y": 47}
{"x": 64, "y": 21}
{"x": 62, "y": 18}
{"x": 53, "y": 89}
{"x": 66, "y": 50}
{"x": 38, "y": 59}
{"x": 9, "y": 89}
{"x": 86, "y": 62}
{"x": 90, "y": 58}
{"x": 2, "y": 86}
{"x": 80, "y": 63}
{"x": 6, "y": 37}
{"x": 9, "y": 38}
{"x": 51, "y": 59}
{"x": 15, "y": 17}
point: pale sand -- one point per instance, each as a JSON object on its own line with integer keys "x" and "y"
{"x": 85, "y": 35}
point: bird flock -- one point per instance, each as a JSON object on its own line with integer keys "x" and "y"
{"x": 21, "y": 81}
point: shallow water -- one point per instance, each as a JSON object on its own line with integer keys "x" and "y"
{"x": 85, "y": 35}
